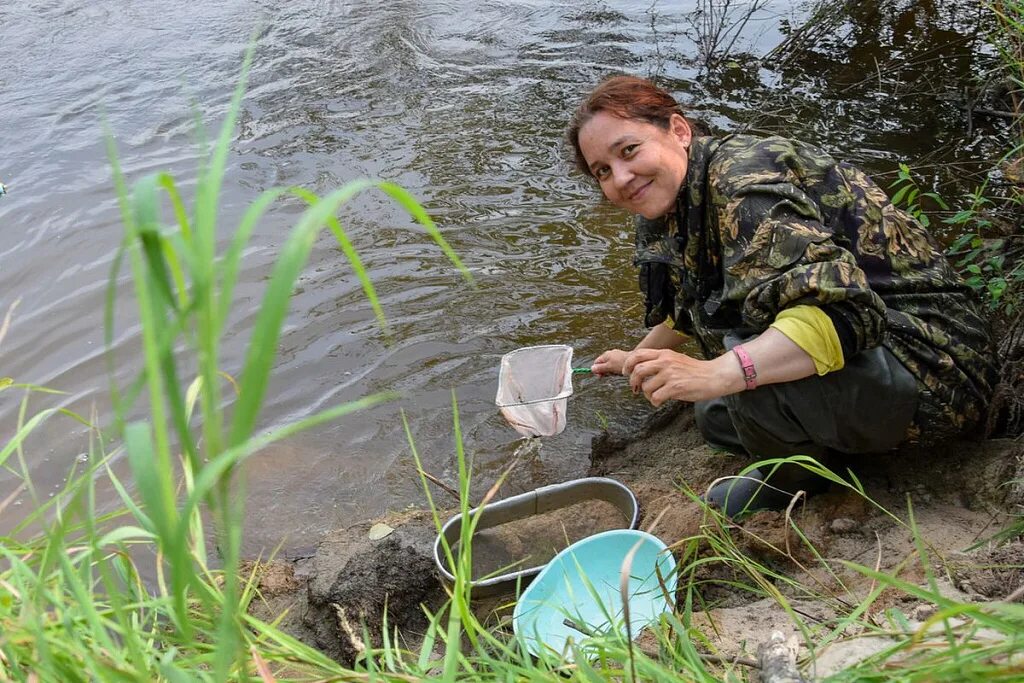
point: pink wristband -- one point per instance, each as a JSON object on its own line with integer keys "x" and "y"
{"x": 749, "y": 373}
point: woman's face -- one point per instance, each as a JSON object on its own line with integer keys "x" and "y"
{"x": 639, "y": 166}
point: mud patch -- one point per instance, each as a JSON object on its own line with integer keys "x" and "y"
{"x": 358, "y": 582}
{"x": 992, "y": 573}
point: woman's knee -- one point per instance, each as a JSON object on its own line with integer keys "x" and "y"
{"x": 768, "y": 426}
{"x": 716, "y": 425}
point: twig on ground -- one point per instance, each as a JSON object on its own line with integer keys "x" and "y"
{"x": 358, "y": 646}
{"x": 992, "y": 112}
{"x": 789, "y": 520}
{"x": 878, "y": 561}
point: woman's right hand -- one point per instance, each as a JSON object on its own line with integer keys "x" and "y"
{"x": 609, "y": 363}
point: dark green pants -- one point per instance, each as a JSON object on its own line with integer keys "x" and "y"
{"x": 866, "y": 407}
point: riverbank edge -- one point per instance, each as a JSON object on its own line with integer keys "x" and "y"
{"x": 356, "y": 581}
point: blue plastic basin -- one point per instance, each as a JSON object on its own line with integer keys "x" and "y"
{"x": 581, "y": 583}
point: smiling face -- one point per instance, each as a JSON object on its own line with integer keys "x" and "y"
{"x": 639, "y": 165}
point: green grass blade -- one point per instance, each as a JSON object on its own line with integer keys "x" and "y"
{"x": 216, "y": 469}
{"x": 357, "y": 264}
{"x": 267, "y": 328}
{"x": 233, "y": 255}
{"x": 414, "y": 208}
{"x": 23, "y": 432}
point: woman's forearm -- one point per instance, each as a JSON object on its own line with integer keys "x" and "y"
{"x": 661, "y": 337}
{"x": 776, "y": 358}
{"x": 662, "y": 374}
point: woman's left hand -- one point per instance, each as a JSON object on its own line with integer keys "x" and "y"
{"x": 662, "y": 375}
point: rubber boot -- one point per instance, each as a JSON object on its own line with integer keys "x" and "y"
{"x": 750, "y": 492}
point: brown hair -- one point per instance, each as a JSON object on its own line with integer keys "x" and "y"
{"x": 627, "y": 97}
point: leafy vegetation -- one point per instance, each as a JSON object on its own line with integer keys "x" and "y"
{"x": 988, "y": 249}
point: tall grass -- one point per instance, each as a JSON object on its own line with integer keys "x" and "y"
{"x": 73, "y": 605}
{"x": 961, "y": 641}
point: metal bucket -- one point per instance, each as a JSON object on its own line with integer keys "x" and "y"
{"x": 524, "y": 505}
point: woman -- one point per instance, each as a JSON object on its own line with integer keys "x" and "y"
{"x": 829, "y": 319}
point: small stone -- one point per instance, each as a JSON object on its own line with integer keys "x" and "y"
{"x": 923, "y": 612}
{"x": 379, "y": 531}
{"x": 843, "y": 525}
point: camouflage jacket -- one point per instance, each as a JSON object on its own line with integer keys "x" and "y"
{"x": 762, "y": 224}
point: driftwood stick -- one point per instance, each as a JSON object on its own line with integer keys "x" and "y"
{"x": 985, "y": 111}
{"x": 777, "y": 661}
{"x": 440, "y": 484}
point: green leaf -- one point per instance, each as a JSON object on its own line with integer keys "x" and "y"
{"x": 898, "y": 197}
{"x": 959, "y": 243}
{"x": 961, "y": 216}
{"x": 937, "y": 199}
{"x": 211, "y": 474}
{"x": 148, "y": 479}
{"x": 262, "y": 346}
{"x": 419, "y": 213}
{"x": 996, "y": 288}
{"x": 353, "y": 259}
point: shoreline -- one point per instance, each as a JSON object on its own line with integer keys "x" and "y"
{"x": 328, "y": 599}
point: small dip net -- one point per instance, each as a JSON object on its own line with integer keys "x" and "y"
{"x": 534, "y": 384}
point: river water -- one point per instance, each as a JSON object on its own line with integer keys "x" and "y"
{"x": 461, "y": 103}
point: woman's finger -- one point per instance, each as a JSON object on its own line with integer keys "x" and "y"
{"x": 636, "y": 357}
{"x": 660, "y": 396}
{"x": 641, "y": 373}
{"x": 652, "y": 385}
{"x": 637, "y": 376}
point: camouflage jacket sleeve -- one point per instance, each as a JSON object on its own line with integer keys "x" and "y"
{"x": 776, "y": 249}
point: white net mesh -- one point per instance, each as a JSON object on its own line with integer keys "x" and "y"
{"x": 534, "y": 384}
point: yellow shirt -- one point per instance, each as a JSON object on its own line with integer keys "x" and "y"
{"x": 812, "y": 330}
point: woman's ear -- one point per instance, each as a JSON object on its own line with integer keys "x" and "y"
{"x": 679, "y": 128}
